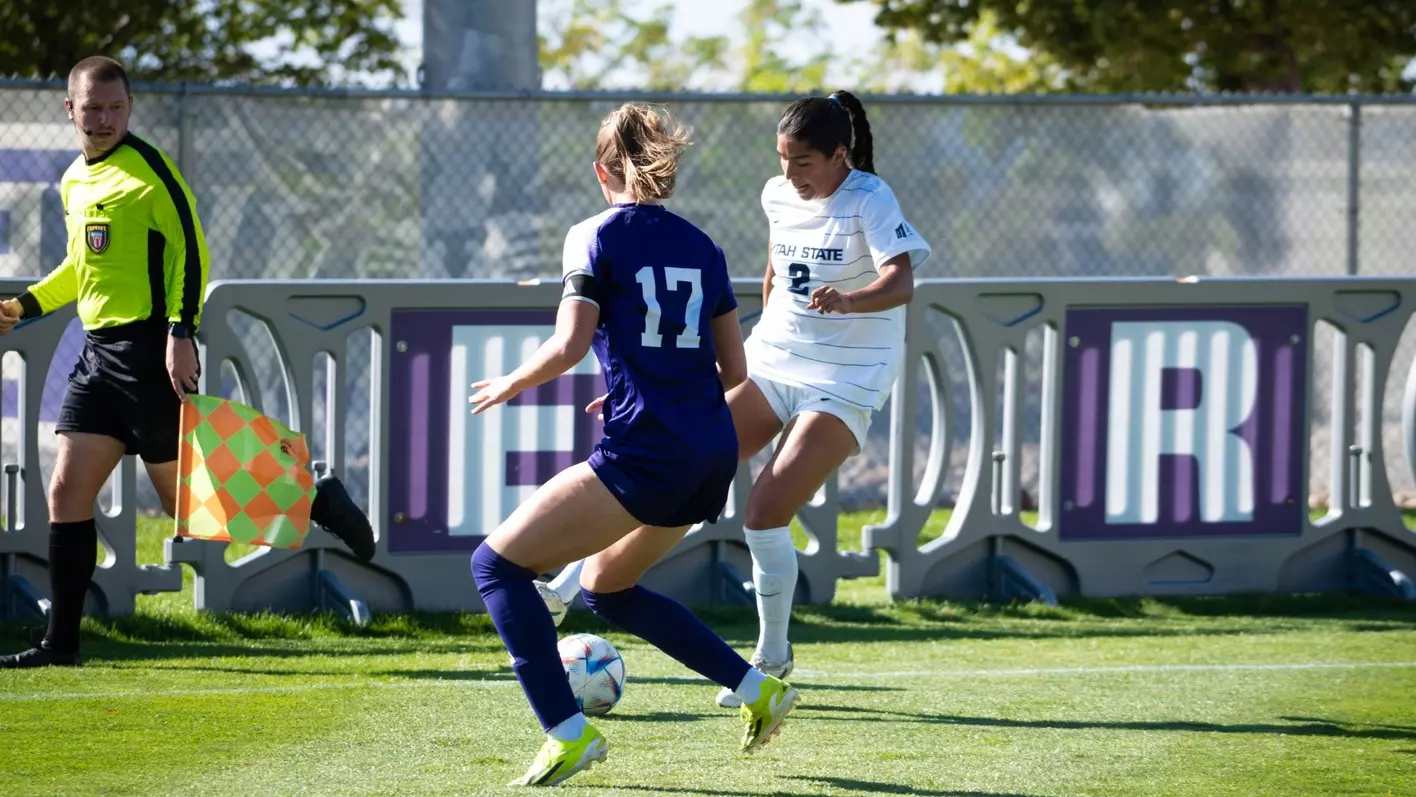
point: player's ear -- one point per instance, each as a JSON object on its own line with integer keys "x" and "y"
{"x": 600, "y": 173}
{"x": 69, "y": 108}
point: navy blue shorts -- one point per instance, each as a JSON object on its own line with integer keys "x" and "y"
{"x": 667, "y": 490}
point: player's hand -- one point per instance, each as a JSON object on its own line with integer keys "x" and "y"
{"x": 182, "y": 365}
{"x": 597, "y": 406}
{"x": 10, "y": 314}
{"x": 829, "y": 300}
{"x": 491, "y": 392}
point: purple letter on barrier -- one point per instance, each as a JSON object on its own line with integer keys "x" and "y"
{"x": 1181, "y": 422}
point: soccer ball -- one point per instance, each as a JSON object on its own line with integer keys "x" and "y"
{"x": 595, "y": 670}
{"x": 554, "y": 604}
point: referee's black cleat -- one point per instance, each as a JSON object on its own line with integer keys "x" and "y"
{"x": 41, "y": 656}
{"x": 337, "y": 514}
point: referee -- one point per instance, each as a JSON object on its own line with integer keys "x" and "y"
{"x": 137, "y": 265}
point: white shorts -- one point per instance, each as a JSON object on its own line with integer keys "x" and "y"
{"x": 789, "y": 401}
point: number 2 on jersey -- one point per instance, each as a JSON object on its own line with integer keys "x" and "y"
{"x": 800, "y": 274}
{"x": 648, "y": 283}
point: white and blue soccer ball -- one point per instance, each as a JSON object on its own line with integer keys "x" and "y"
{"x": 595, "y": 670}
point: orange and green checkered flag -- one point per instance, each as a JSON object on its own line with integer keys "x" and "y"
{"x": 242, "y": 476}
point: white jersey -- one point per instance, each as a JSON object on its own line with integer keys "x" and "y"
{"x": 841, "y": 241}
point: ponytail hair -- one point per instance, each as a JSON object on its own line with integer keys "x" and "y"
{"x": 828, "y": 123}
{"x": 641, "y": 146}
{"x": 862, "y": 147}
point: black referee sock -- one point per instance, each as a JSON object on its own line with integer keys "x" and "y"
{"x": 73, "y": 554}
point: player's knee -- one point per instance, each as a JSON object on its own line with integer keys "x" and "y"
{"x": 602, "y": 579}
{"x": 70, "y": 499}
{"x": 605, "y": 604}
{"x": 489, "y": 568}
{"x": 485, "y": 563}
{"x": 762, "y": 515}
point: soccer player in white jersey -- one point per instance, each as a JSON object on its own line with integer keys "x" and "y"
{"x": 827, "y": 349}
{"x": 829, "y": 345}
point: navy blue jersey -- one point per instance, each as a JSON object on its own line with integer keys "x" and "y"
{"x": 658, "y": 281}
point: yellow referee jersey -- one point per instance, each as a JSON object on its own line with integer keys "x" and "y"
{"x": 136, "y": 249}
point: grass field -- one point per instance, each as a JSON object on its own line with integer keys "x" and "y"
{"x": 1306, "y": 695}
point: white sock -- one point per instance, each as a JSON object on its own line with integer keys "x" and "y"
{"x": 570, "y": 729}
{"x": 774, "y": 575}
{"x": 751, "y": 687}
{"x": 566, "y": 584}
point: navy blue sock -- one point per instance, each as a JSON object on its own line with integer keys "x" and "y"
{"x": 529, "y": 633}
{"x": 669, "y": 626}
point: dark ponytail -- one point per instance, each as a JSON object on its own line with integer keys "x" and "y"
{"x": 827, "y": 123}
{"x": 862, "y": 148}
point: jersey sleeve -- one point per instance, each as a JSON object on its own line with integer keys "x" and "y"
{"x": 771, "y": 193}
{"x": 887, "y": 233}
{"x": 727, "y": 300}
{"x": 58, "y": 287}
{"x": 187, "y": 262}
{"x": 579, "y": 264}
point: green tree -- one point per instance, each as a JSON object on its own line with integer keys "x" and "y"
{"x": 596, "y": 44}
{"x": 317, "y": 41}
{"x": 1183, "y": 45}
{"x": 759, "y": 64}
{"x": 588, "y": 44}
{"x": 988, "y": 61}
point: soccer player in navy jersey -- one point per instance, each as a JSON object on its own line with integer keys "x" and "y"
{"x": 650, "y": 292}
{"x": 830, "y": 343}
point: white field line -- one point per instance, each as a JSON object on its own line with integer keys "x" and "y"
{"x": 1041, "y": 672}
{"x": 1116, "y": 670}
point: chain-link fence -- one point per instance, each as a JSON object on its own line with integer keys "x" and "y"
{"x": 390, "y": 185}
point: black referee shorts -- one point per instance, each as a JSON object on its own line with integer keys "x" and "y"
{"x": 120, "y": 389}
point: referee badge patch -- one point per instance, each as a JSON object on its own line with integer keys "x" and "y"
{"x": 97, "y": 235}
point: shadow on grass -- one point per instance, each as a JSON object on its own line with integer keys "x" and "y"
{"x": 500, "y": 674}
{"x": 851, "y": 784}
{"x": 99, "y": 649}
{"x": 688, "y": 680}
{"x": 904, "y": 621}
{"x": 877, "y": 787}
{"x": 122, "y": 652}
{"x": 1301, "y": 726}
{"x": 1387, "y": 726}
{"x": 713, "y": 792}
{"x": 663, "y": 716}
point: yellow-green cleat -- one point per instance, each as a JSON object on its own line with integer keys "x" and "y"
{"x": 559, "y": 760}
{"x": 765, "y": 716}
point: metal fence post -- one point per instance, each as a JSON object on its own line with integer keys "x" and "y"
{"x": 1354, "y": 181}
{"x": 186, "y": 154}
